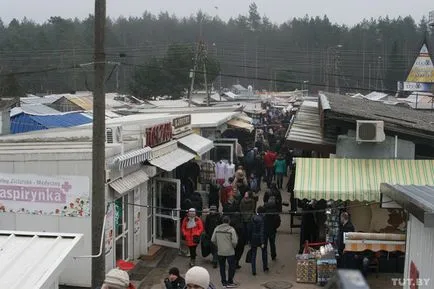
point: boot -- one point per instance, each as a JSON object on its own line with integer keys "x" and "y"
{"x": 192, "y": 263}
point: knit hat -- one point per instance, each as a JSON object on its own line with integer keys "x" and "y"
{"x": 198, "y": 276}
{"x": 192, "y": 210}
{"x": 117, "y": 279}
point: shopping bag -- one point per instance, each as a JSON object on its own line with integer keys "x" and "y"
{"x": 249, "y": 256}
{"x": 205, "y": 245}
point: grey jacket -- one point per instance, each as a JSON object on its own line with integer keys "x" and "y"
{"x": 226, "y": 239}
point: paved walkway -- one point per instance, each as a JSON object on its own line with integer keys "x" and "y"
{"x": 283, "y": 269}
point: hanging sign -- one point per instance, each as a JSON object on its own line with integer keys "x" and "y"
{"x": 109, "y": 229}
{"x": 158, "y": 134}
{"x": 423, "y": 69}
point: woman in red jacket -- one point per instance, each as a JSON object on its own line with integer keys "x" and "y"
{"x": 192, "y": 228}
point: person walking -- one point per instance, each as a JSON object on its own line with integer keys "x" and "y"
{"x": 269, "y": 159}
{"x": 280, "y": 171}
{"x": 226, "y": 239}
{"x": 272, "y": 223}
{"x": 192, "y": 228}
{"x": 274, "y": 192}
{"x": 211, "y": 222}
{"x": 257, "y": 240}
{"x": 174, "y": 281}
{"x": 247, "y": 209}
{"x": 232, "y": 210}
{"x": 198, "y": 278}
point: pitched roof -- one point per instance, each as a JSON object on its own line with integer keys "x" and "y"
{"x": 34, "y": 109}
{"x": 372, "y": 110}
{"x": 26, "y": 122}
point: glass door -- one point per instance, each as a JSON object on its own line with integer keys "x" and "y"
{"x": 166, "y": 212}
{"x": 122, "y": 227}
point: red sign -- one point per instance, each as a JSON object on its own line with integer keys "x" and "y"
{"x": 158, "y": 134}
{"x": 414, "y": 276}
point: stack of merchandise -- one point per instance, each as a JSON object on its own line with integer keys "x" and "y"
{"x": 326, "y": 268}
{"x": 332, "y": 224}
{"x": 306, "y": 268}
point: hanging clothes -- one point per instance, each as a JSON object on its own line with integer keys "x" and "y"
{"x": 220, "y": 168}
{"x": 229, "y": 171}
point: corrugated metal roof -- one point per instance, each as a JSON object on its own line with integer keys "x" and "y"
{"x": 34, "y": 260}
{"x": 129, "y": 182}
{"x": 26, "y": 122}
{"x": 417, "y": 199}
{"x": 241, "y": 124}
{"x": 306, "y": 127}
{"x": 85, "y": 102}
{"x": 375, "y": 96}
{"x": 40, "y": 100}
{"x": 169, "y": 103}
{"x": 34, "y": 109}
{"x": 211, "y": 119}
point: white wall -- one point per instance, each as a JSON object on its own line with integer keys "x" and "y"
{"x": 77, "y": 273}
{"x": 420, "y": 250}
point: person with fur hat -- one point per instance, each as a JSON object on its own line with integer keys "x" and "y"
{"x": 192, "y": 228}
{"x": 198, "y": 278}
{"x": 117, "y": 279}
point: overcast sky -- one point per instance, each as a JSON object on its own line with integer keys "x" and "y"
{"x": 347, "y": 12}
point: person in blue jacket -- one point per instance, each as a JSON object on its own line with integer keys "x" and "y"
{"x": 257, "y": 239}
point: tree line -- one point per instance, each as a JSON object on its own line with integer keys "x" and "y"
{"x": 153, "y": 54}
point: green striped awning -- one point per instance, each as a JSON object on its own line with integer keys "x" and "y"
{"x": 356, "y": 179}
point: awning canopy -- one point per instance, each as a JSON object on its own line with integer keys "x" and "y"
{"x": 132, "y": 158}
{"x": 356, "y": 179}
{"x": 172, "y": 160}
{"x": 241, "y": 124}
{"x": 196, "y": 143}
{"x": 129, "y": 182}
{"x": 34, "y": 260}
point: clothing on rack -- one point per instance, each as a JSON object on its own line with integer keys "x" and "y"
{"x": 229, "y": 171}
{"x": 220, "y": 169}
{"x": 207, "y": 172}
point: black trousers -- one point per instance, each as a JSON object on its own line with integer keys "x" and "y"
{"x": 239, "y": 249}
{"x": 192, "y": 252}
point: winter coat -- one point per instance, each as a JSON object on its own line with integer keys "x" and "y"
{"x": 247, "y": 209}
{"x": 179, "y": 283}
{"x": 226, "y": 239}
{"x": 277, "y": 198}
{"x": 233, "y": 211}
{"x": 211, "y": 222}
{"x": 280, "y": 166}
{"x": 213, "y": 198}
{"x": 269, "y": 159}
{"x": 272, "y": 218}
{"x": 196, "y": 202}
{"x": 256, "y": 231}
{"x": 190, "y": 233}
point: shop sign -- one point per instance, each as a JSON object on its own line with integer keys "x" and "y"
{"x": 158, "y": 134}
{"x": 182, "y": 121}
{"x": 415, "y": 86}
{"x": 423, "y": 69}
{"x": 44, "y": 195}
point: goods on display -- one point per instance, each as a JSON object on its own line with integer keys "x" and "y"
{"x": 306, "y": 269}
{"x": 326, "y": 268}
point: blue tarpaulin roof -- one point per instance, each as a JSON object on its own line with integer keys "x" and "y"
{"x": 27, "y": 122}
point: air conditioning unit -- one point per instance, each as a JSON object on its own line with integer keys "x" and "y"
{"x": 113, "y": 134}
{"x": 370, "y": 131}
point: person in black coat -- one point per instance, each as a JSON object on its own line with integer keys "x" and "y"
{"x": 272, "y": 223}
{"x": 174, "y": 281}
{"x": 274, "y": 192}
{"x": 308, "y": 228}
{"x": 346, "y": 260}
{"x": 211, "y": 222}
{"x": 197, "y": 203}
{"x": 213, "y": 198}
{"x": 257, "y": 239}
{"x": 232, "y": 209}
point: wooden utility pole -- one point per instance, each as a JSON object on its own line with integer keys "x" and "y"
{"x": 193, "y": 74}
{"x": 98, "y": 147}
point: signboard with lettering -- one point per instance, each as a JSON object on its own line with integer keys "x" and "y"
{"x": 44, "y": 195}
{"x": 158, "y": 135}
{"x": 182, "y": 121}
{"x": 415, "y": 86}
{"x": 423, "y": 69}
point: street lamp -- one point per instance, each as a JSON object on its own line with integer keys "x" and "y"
{"x": 335, "y": 50}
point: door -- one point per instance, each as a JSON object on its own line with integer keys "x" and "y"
{"x": 166, "y": 212}
{"x": 224, "y": 149}
{"x": 123, "y": 230}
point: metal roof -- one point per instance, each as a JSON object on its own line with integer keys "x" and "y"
{"x": 375, "y": 96}
{"x": 418, "y": 200}
{"x": 306, "y": 127}
{"x": 197, "y": 143}
{"x": 170, "y": 103}
{"x": 40, "y": 100}
{"x": 395, "y": 117}
{"x": 26, "y": 122}
{"x": 34, "y": 260}
{"x": 34, "y": 109}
